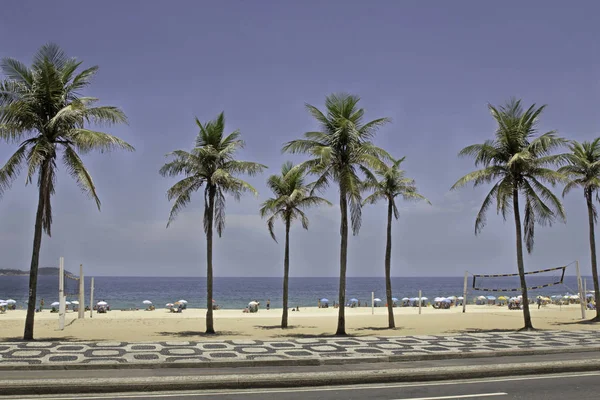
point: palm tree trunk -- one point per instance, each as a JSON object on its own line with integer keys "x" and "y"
{"x": 341, "y": 327}
{"x": 388, "y": 268}
{"x": 590, "y": 207}
{"x": 210, "y": 328}
{"x": 520, "y": 263}
{"x": 35, "y": 257}
{"x": 286, "y": 274}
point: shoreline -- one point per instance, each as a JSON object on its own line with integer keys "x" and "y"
{"x": 161, "y": 325}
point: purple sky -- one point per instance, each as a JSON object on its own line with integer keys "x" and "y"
{"x": 430, "y": 66}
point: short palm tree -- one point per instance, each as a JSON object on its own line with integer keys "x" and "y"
{"x": 583, "y": 170}
{"x": 516, "y": 163}
{"x": 211, "y": 164}
{"x": 340, "y": 151}
{"x": 41, "y": 107}
{"x": 388, "y": 183}
{"x": 292, "y": 196}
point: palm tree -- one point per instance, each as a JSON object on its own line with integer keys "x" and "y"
{"x": 211, "y": 164}
{"x": 391, "y": 184}
{"x": 41, "y": 107}
{"x": 516, "y": 163}
{"x": 292, "y": 196}
{"x": 583, "y": 170}
{"x": 339, "y": 151}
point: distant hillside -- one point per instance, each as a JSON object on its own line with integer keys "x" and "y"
{"x": 49, "y": 271}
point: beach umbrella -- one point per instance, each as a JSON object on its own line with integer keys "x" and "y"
{"x": 11, "y": 301}
{"x": 146, "y": 302}
{"x": 394, "y": 299}
{"x": 324, "y": 301}
{"x": 405, "y": 299}
{"x": 75, "y": 302}
{"x": 353, "y": 300}
{"x": 424, "y": 298}
{"x": 55, "y": 304}
{"x": 377, "y": 300}
{"x": 102, "y": 303}
{"x": 68, "y": 303}
{"x": 182, "y": 301}
{"x": 169, "y": 305}
{"x": 460, "y": 298}
{"x": 446, "y": 301}
{"x": 3, "y": 304}
{"x": 253, "y": 303}
{"x": 491, "y": 298}
{"x": 502, "y": 298}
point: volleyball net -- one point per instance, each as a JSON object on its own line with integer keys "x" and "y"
{"x": 539, "y": 279}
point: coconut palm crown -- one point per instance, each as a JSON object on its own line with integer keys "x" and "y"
{"x": 583, "y": 170}
{"x": 210, "y": 164}
{"x": 292, "y": 196}
{"x": 42, "y": 109}
{"x": 340, "y": 151}
{"x": 517, "y": 162}
{"x": 387, "y": 184}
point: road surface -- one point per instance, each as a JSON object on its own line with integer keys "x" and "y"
{"x": 573, "y": 386}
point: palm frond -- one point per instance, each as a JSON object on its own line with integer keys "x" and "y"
{"x": 10, "y": 170}
{"x": 81, "y": 175}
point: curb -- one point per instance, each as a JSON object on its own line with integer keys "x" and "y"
{"x": 297, "y": 362}
{"x": 283, "y": 380}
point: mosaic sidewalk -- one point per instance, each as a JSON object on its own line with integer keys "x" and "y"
{"x": 72, "y": 353}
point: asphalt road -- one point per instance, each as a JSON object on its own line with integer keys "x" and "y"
{"x": 543, "y": 387}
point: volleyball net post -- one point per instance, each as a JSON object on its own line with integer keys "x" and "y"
{"x": 81, "y": 314}
{"x": 464, "y": 302}
{"x": 62, "y": 300}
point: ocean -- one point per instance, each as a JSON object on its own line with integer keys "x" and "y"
{"x": 235, "y": 293}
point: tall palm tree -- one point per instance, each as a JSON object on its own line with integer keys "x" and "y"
{"x": 292, "y": 196}
{"x": 340, "y": 150}
{"x": 41, "y": 107}
{"x": 211, "y": 164}
{"x": 388, "y": 183}
{"x": 583, "y": 170}
{"x": 516, "y": 163}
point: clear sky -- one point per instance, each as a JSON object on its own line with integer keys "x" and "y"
{"x": 432, "y": 66}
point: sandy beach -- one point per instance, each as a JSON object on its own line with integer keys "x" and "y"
{"x": 160, "y": 324}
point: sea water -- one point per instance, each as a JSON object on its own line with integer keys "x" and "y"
{"x": 235, "y": 293}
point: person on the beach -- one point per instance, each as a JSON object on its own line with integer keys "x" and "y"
{"x": 319, "y": 303}
{"x": 268, "y": 304}
{"x": 41, "y": 305}
{"x": 539, "y": 302}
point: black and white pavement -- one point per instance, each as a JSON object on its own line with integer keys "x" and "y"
{"x": 78, "y": 353}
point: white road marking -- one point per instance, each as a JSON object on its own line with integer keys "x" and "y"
{"x": 458, "y": 396}
{"x": 147, "y": 395}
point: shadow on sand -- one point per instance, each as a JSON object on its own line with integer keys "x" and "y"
{"x": 275, "y": 327}
{"x": 200, "y": 334}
